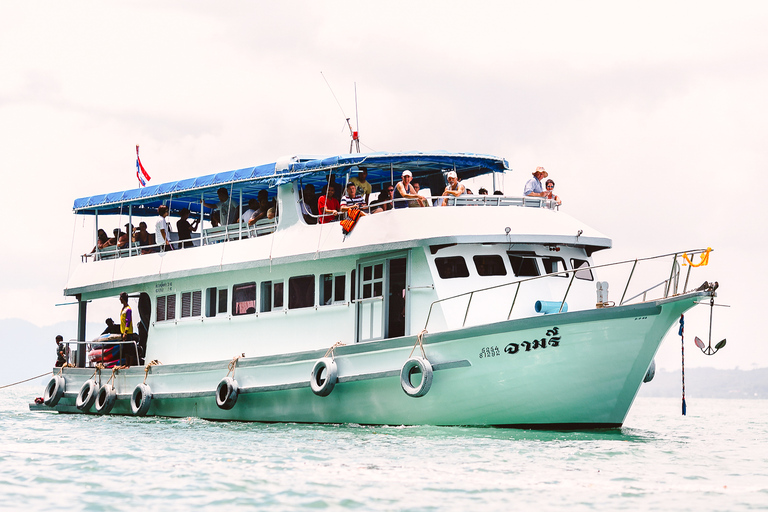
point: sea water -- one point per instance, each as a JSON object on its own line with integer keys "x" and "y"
{"x": 715, "y": 458}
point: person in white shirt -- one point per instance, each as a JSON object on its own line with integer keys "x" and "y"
{"x": 163, "y": 229}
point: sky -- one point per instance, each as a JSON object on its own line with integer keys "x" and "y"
{"x": 651, "y": 117}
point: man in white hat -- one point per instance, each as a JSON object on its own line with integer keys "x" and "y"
{"x": 533, "y": 187}
{"x": 404, "y": 190}
{"x": 454, "y": 188}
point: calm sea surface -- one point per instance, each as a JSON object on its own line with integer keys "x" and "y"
{"x": 716, "y": 458}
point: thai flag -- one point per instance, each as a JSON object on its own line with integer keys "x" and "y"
{"x": 141, "y": 174}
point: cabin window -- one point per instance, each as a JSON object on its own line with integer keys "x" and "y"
{"x": 585, "y": 273}
{"x": 271, "y": 296}
{"x": 191, "y": 304}
{"x": 216, "y": 301}
{"x": 332, "y": 288}
{"x": 244, "y": 299}
{"x": 553, "y": 264}
{"x": 166, "y": 308}
{"x": 523, "y": 264}
{"x": 301, "y": 292}
{"x": 489, "y": 265}
{"x": 451, "y": 267}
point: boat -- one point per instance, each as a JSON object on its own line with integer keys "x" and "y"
{"x": 485, "y": 312}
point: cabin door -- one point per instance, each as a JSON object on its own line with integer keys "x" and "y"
{"x": 381, "y": 298}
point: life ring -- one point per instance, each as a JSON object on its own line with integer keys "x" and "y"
{"x": 87, "y": 395}
{"x": 142, "y": 395}
{"x": 226, "y": 393}
{"x": 412, "y": 366}
{"x": 54, "y": 390}
{"x": 323, "y": 382}
{"x": 105, "y": 399}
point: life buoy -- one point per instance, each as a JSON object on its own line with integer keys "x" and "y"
{"x": 105, "y": 399}
{"x": 324, "y": 376}
{"x": 411, "y": 367}
{"x": 142, "y": 395}
{"x": 226, "y": 393}
{"x": 54, "y": 390}
{"x": 87, "y": 395}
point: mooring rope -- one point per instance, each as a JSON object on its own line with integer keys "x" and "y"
{"x": 682, "y": 350}
{"x": 233, "y": 364}
{"x": 25, "y": 380}
{"x": 420, "y": 344}
{"x": 65, "y": 365}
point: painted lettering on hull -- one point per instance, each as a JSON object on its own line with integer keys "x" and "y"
{"x": 552, "y": 339}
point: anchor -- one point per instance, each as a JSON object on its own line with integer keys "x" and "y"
{"x": 708, "y": 350}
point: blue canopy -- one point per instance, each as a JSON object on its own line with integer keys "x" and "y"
{"x": 382, "y": 167}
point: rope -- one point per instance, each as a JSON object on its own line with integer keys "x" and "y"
{"x": 330, "y": 350}
{"x": 420, "y": 344}
{"x": 146, "y": 369}
{"x": 114, "y": 372}
{"x": 704, "y": 259}
{"x": 65, "y": 365}
{"x": 25, "y": 380}
{"x": 233, "y": 364}
{"x": 682, "y": 350}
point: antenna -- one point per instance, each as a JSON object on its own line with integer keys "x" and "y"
{"x": 355, "y": 134}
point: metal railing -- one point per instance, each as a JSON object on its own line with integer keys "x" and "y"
{"x": 671, "y": 284}
{"x": 87, "y": 346}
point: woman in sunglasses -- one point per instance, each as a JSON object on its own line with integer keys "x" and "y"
{"x": 550, "y": 194}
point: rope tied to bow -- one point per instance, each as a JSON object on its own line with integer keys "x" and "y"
{"x": 65, "y": 365}
{"x": 330, "y": 350}
{"x": 704, "y": 259}
{"x": 155, "y": 362}
{"x": 419, "y": 338}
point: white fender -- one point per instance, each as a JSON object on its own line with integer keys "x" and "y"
{"x": 87, "y": 395}
{"x": 411, "y": 367}
{"x": 142, "y": 395}
{"x": 54, "y": 390}
{"x": 324, "y": 376}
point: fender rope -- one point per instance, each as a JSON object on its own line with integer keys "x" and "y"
{"x": 155, "y": 362}
{"x": 704, "y": 258}
{"x": 232, "y": 365}
{"x": 65, "y": 365}
{"x": 420, "y": 344}
{"x": 330, "y": 350}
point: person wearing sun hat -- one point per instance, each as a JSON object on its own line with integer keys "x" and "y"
{"x": 533, "y": 187}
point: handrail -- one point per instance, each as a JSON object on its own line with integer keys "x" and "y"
{"x": 107, "y": 341}
{"x": 573, "y": 272}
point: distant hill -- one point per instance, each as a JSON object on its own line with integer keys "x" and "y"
{"x": 709, "y": 383}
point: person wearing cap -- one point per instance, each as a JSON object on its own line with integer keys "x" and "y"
{"x": 404, "y": 190}
{"x": 454, "y": 188}
{"x": 533, "y": 187}
{"x": 361, "y": 184}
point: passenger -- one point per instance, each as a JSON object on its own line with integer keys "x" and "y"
{"x": 533, "y": 186}
{"x": 551, "y": 192}
{"x": 112, "y": 328}
{"x": 226, "y": 208}
{"x": 126, "y": 329}
{"x": 101, "y": 242}
{"x": 328, "y": 206}
{"x": 141, "y": 237}
{"x": 61, "y": 351}
{"x": 363, "y": 187}
{"x": 384, "y": 202}
{"x": 163, "y": 229}
{"x": 414, "y": 203}
{"x": 453, "y": 189}
{"x": 498, "y": 193}
{"x": 352, "y": 200}
{"x": 404, "y": 190}
{"x": 483, "y": 191}
{"x": 261, "y": 211}
{"x": 253, "y": 205}
{"x": 309, "y": 204}
{"x": 122, "y": 239}
{"x": 185, "y": 229}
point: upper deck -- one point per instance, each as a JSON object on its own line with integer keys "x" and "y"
{"x": 288, "y": 237}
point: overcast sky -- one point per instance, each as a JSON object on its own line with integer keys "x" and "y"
{"x": 651, "y": 117}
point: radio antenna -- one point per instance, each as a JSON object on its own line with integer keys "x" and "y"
{"x": 355, "y": 134}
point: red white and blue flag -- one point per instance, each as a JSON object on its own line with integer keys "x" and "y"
{"x": 141, "y": 174}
